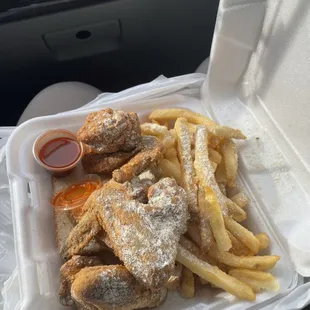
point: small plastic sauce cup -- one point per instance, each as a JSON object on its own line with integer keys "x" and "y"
{"x": 58, "y": 151}
{"x": 74, "y": 196}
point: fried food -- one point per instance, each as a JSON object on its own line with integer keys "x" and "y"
{"x": 68, "y": 272}
{"x": 88, "y": 227}
{"x": 230, "y": 157}
{"x": 107, "y": 163}
{"x": 206, "y": 236}
{"x": 187, "y": 287}
{"x": 257, "y": 280}
{"x": 265, "y": 262}
{"x": 214, "y": 275}
{"x": 237, "y": 213}
{"x": 110, "y": 131}
{"x": 150, "y": 152}
{"x": 143, "y": 236}
{"x": 111, "y": 288}
{"x": 242, "y": 234}
{"x": 215, "y": 200}
{"x": 174, "y": 281}
{"x": 187, "y": 168}
{"x": 169, "y": 169}
{"x": 196, "y": 118}
{"x": 240, "y": 199}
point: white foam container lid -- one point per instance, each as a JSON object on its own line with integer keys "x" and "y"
{"x": 249, "y": 86}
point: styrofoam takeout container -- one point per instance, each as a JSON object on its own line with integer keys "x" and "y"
{"x": 244, "y": 89}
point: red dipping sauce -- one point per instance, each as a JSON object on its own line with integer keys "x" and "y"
{"x": 60, "y": 152}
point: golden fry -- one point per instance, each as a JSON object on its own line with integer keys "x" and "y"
{"x": 235, "y": 211}
{"x": 214, "y": 155}
{"x": 216, "y": 201}
{"x": 265, "y": 262}
{"x": 152, "y": 129}
{"x": 257, "y": 280}
{"x": 230, "y": 158}
{"x": 187, "y": 169}
{"x": 169, "y": 169}
{"x": 196, "y": 118}
{"x": 238, "y": 248}
{"x": 206, "y": 236}
{"x": 187, "y": 287}
{"x": 242, "y": 234}
{"x": 214, "y": 275}
{"x": 240, "y": 199}
{"x": 264, "y": 240}
{"x": 220, "y": 173}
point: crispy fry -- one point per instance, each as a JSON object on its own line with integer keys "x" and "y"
{"x": 187, "y": 287}
{"x": 242, "y": 234}
{"x": 216, "y": 201}
{"x": 149, "y": 129}
{"x": 187, "y": 169}
{"x": 230, "y": 157}
{"x": 265, "y": 262}
{"x": 264, "y": 240}
{"x": 238, "y": 248}
{"x": 240, "y": 199}
{"x": 206, "y": 236}
{"x": 214, "y": 155}
{"x": 196, "y": 118}
{"x": 168, "y": 142}
{"x": 175, "y": 278}
{"x": 220, "y": 173}
{"x": 171, "y": 154}
{"x": 191, "y": 127}
{"x": 194, "y": 249}
{"x": 257, "y": 280}
{"x": 235, "y": 211}
{"x": 214, "y": 275}
{"x": 213, "y": 165}
{"x": 169, "y": 169}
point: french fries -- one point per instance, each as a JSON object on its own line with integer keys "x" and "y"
{"x": 238, "y": 248}
{"x": 257, "y": 280}
{"x": 214, "y": 156}
{"x": 240, "y": 199}
{"x": 265, "y": 262}
{"x": 237, "y": 213}
{"x": 215, "y": 200}
{"x": 242, "y": 234}
{"x": 196, "y": 118}
{"x": 206, "y": 235}
{"x": 214, "y": 275}
{"x": 187, "y": 169}
{"x": 187, "y": 287}
{"x": 169, "y": 169}
{"x": 200, "y": 155}
{"x": 264, "y": 241}
{"x": 230, "y": 158}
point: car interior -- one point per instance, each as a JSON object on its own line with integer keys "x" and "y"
{"x": 111, "y": 45}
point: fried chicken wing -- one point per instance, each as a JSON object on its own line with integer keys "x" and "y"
{"x": 109, "y": 131}
{"x": 106, "y": 163}
{"x": 143, "y": 236}
{"x": 151, "y": 151}
{"x": 112, "y": 288}
{"x": 68, "y": 272}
